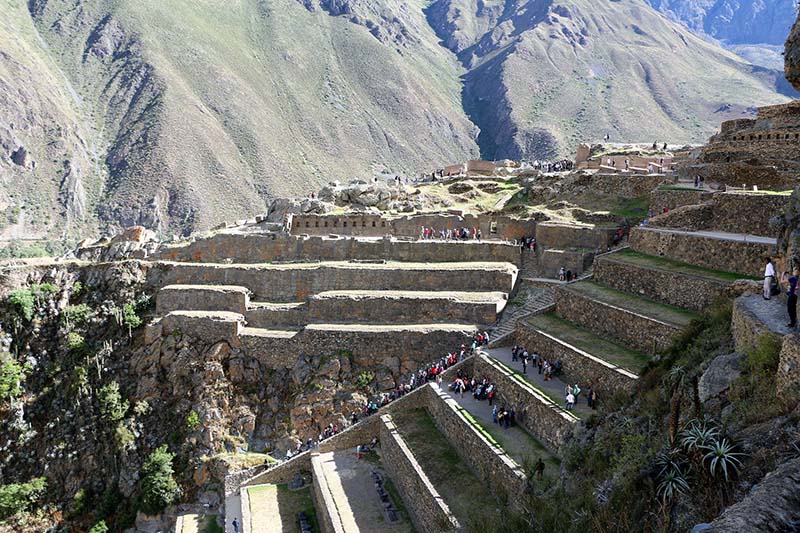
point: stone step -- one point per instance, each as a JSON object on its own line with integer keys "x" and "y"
{"x": 662, "y": 279}
{"x": 642, "y": 324}
{"x": 269, "y": 333}
{"x": 230, "y": 298}
{"x": 296, "y": 282}
{"x": 730, "y": 252}
{"x": 586, "y": 358}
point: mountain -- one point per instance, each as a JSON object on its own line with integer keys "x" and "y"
{"x": 792, "y": 54}
{"x": 754, "y": 29}
{"x": 179, "y": 114}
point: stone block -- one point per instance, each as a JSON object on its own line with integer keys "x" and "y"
{"x": 209, "y": 326}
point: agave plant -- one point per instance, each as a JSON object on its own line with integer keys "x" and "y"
{"x": 672, "y": 484}
{"x": 720, "y": 455}
{"x": 698, "y": 435}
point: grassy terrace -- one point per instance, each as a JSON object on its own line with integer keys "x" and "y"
{"x": 469, "y": 499}
{"x": 587, "y": 341}
{"x": 664, "y": 263}
{"x": 663, "y": 312}
{"x": 276, "y": 503}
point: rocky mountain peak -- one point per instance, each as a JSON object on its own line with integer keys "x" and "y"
{"x": 792, "y": 54}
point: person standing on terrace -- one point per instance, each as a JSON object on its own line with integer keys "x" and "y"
{"x": 769, "y": 276}
{"x": 791, "y": 290}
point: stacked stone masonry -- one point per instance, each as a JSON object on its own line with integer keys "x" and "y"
{"x": 642, "y": 333}
{"x": 324, "y": 503}
{"x": 661, "y": 199}
{"x": 267, "y": 248}
{"x": 429, "y": 512}
{"x": 489, "y": 462}
{"x": 537, "y": 414}
{"x": 673, "y": 288}
{"x": 297, "y": 282}
{"x": 202, "y": 298}
{"x": 578, "y": 366}
{"x": 743, "y": 257}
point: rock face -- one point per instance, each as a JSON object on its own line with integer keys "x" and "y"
{"x": 792, "y": 55}
{"x": 719, "y": 375}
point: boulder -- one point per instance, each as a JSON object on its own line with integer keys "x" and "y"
{"x": 719, "y": 375}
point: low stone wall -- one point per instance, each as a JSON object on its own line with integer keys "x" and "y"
{"x": 673, "y": 288}
{"x": 201, "y": 298}
{"x": 394, "y": 308}
{"x": 551, "y": 260}
{"x": 578, "y": 366}
{"x": 489, "y": 461}
{"x": 535, "y": 412}
{"x": 566, "y": 236}
{"x": 267, "y": 248}
{"x": 429, "y": 512}
{"x": 746, "y": 327}
{"x": 212, "y": 326}
{"x": 672, "y": 198}
{"x": 376, "y": 225}
{"x": 325, "y": 505}
{"x": 732, "y": 256}
{"x": 628, "y": 185}
{"x": 789, "y": 363}
{"x": 641, "y": 333}
{"x": 293, "y": 315}
{"x": 295, "y": 283}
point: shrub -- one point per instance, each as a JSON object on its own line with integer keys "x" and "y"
{"x": 158, "y": 486}
{"x": 76, "y": 314}
{"x": 124, "y": 437}
{"x": 11, "y": 376}
{"x": 99, "y": 527}
{"x": 22, "y": 301}
{"x": 763, "y": 358}
{"x": 77, "y": 288}
{"x": 192, "y": 421}
{"x": 75, "y": 342}
{"x": 129, "y": 316}
{"x": 364, "y": 379}
{"x": 112, "y": 406}
{"x": 18, "y": 497}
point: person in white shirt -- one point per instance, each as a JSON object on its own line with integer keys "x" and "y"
{"x": 769, "y": 275}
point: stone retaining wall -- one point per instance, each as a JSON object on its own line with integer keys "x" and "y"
{"x": 201, "y": 298}
{"x": 429, "y": 512}
{"x": 717, "y": 254}
{"x": 628, "y": 185}
{"x": 288, "y": 315}
{"x": 673, "y": 288}
{"x": 578, "y": 366}
{"x": 746, "y": 327}
{"x": 566, "y": 236}
{"x": 540, "y": 417}
{"x": 670, "y": 199}
{"x": 327, "y": 513}
{"x": 266, "y": 248}
{"x": 212, "y": 326}
{"x": 736, "y": 212}
{"x": 641, "y": 333}
{"x": 489, "y": 461}
{"x": 400, "y": 309}
{"x": 551, "y": 260}
{"x": 789, "y": 363}
{"x": 295, "y": 283}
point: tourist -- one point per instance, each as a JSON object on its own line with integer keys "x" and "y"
{"x": 494, "y": 414}
{"x": 235, "y": 524}
{"x": 576, "y": 391}
{"x": 769, "y": 277}
{"x": 358, "y": 452}
{"x": 589, "y": 393}
{"x": 561, "y": 274}
{"x": 593, "y": 396}
{"x": 540, "y": 464}
{"x": 570, "y": 401}
{"x": 525, "y": 363}
{"x": 514, "y": 353}
{"x": 791, "y": 290}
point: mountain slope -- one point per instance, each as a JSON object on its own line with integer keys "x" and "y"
{"x": 209, "y": 108}
{"x": 186, "y": 113}
{"x": 755, "y": 29}
{"x": 545, "y": 75}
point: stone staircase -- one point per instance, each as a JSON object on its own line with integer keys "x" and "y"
{"x": 530, "y": 299}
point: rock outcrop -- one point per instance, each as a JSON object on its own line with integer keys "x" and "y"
{"x": 792, "y": 55}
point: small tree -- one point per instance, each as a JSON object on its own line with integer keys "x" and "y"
{"x": 112, "y": 406}
{"x": 11, "y": 376}
{"x": 158, "y": 486}
{"x": 99, "y": 527}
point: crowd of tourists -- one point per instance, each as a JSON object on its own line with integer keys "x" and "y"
{"x": 428, "y": 373}
{"x": 457, "y": 234}
{"x": 548, "y": 368}
{"x": 560, "y": 165}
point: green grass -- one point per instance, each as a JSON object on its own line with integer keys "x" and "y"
{"x": 589, "y": 342}
{"x": 664, "y": 263}
{"x": 290, "y": 502}
{"x": 635, "y": 208}
{"x": 666, "y": 313}
{"x": 459, "y": 487}
{"x": 678, "y": 188}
